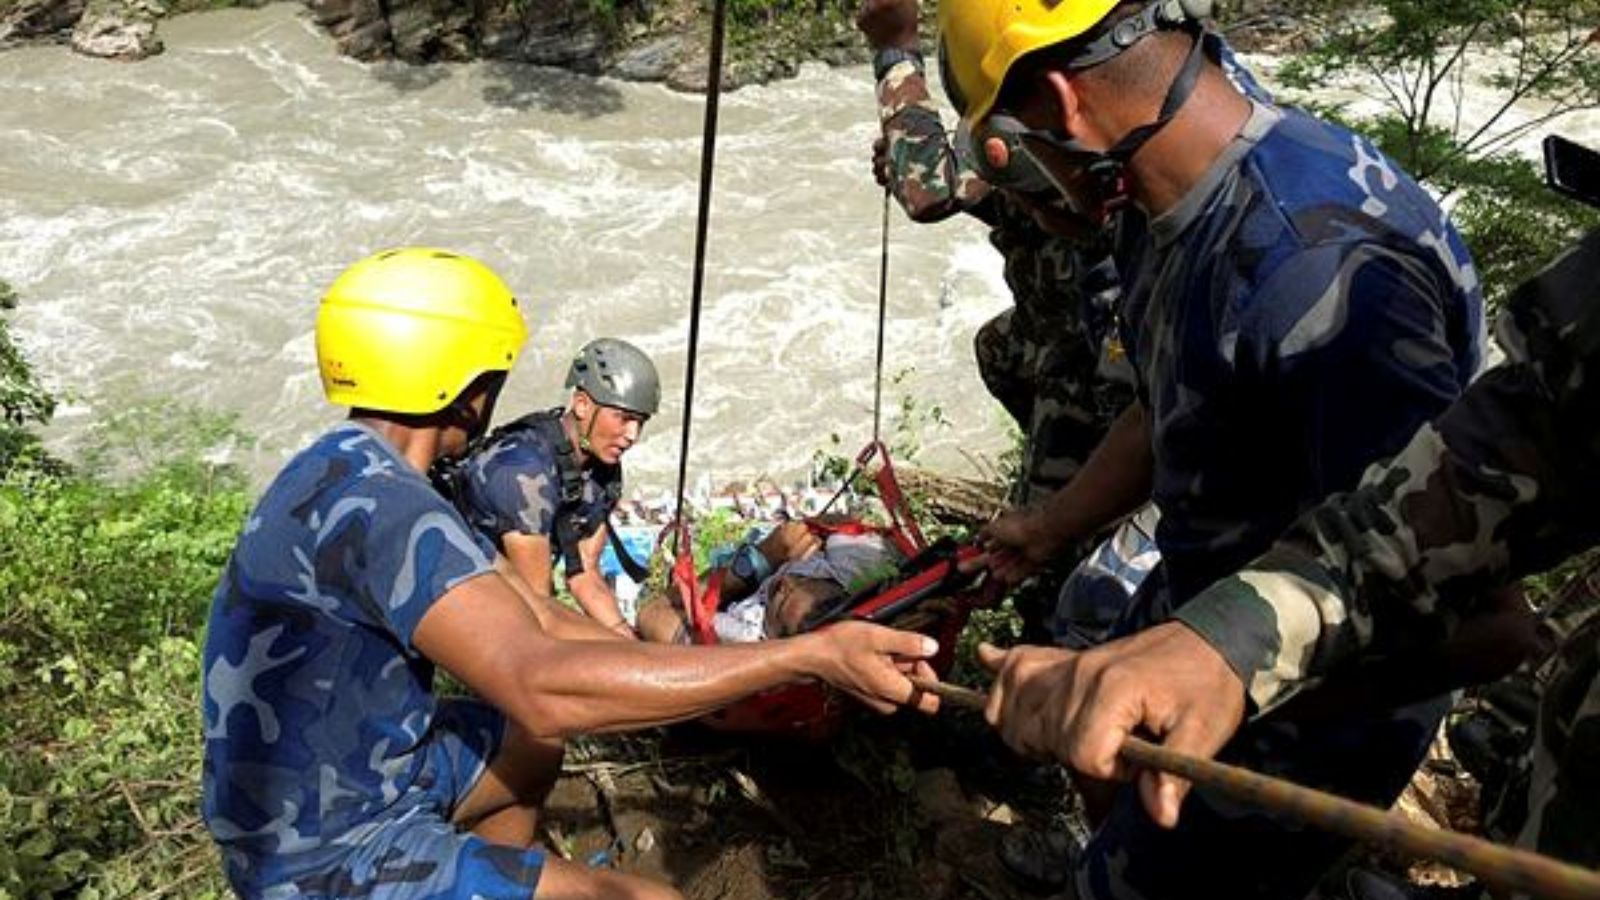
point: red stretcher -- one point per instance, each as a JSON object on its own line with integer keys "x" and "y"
{"x": 929, "y": 572}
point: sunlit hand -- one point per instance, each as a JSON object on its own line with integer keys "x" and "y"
{"x": 789, "y": 542}
{"x": 1018, "y": 544}
{"x": 888, "y": 23}
{"x": 1079, "y": 707}
{"x": 872, "y": 664}
{"x": 880, "y": 162}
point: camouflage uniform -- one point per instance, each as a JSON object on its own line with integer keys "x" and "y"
{"x": 1300, "y": 312}
{"x": 1051, "y": 361}
{"x": 513, "y": 485}
{"x": 1504, "y": 484}
{"x": 1055, "y": 360}
{"x": 331, "y": 768}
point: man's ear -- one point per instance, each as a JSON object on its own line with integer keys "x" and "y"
{"x": 1068, "y": 101}
{"x": 582, "y": 406}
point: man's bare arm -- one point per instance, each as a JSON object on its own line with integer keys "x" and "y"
{"x": 559, "y": 688}
{"x": 591, "y": 590}
{"x": 554, "y": 618}
{"x": 1114, "y": 482}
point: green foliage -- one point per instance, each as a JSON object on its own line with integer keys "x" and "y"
{"x": 1422, "y": 59}
{"x": 107, "y": 587}
{"x": 769, "y": 12}
{"x": 23, "y": 400}
{"x": 829, "y": 465}
{"x": 1418, "y": 54}
{"x": 1001, "y": 626}
{"x": 1009, "y": 466}
{"x": 788, "y": 31}
{"x": 914, "y": 420}
{"x": 140, "y": 435}
{"x": 1513, "y": 223}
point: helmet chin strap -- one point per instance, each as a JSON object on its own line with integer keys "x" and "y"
{"x": 461, "y": 415}
{"x": 1105, "y": 170}
{"x": 584, "y": 441}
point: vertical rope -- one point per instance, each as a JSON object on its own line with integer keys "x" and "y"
{"x": 708, "y": 158}
{"x": 883, "y": 313}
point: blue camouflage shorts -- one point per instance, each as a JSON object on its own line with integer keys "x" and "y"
{"x": 417, "y": 854}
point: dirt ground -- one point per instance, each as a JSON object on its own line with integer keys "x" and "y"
{"x": 886, "y": 808}
{"x": 903, "y": 807}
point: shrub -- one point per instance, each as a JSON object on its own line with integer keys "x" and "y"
{"x": 107, "y": 587}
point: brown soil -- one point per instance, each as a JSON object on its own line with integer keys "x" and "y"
{"x": 873, "y": 813}
{"x": 888, "y": 808}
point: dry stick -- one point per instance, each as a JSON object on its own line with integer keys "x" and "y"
{"x": 1506, "y": 868}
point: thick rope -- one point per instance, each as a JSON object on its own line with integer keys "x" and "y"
{"x": 1506, "y": 868}
{"x": 708, "y": 159}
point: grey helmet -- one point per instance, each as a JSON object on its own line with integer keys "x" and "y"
{"x": 616, "y": 373}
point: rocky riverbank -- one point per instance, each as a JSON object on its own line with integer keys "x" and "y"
{"x": 636, "y": 40}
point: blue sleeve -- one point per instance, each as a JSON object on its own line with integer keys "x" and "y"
{"x": 1352, "y": 343}
{"x": 415, "y": 549}
{"x": 514, "y": 487}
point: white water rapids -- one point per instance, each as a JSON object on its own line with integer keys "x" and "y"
{"x": 170, "y": 223}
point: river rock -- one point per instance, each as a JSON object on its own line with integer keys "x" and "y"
{"x": 432, "y": 30}
{"x": 651, "y": 61}
{"x": 561, "y": 34}
{"x": 358, "y": 27}
{"x": 39, "y": 18}
{"x": 500, "y": 31}
{"x": 116, "y": 31}
{"x": 691, "y": 71}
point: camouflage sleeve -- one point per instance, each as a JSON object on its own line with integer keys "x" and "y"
{"x": 513, "y": 487}
{"x": 416, "y": 550}
{"x": 1503, "y": 484}
{"x": 927, "y": 174}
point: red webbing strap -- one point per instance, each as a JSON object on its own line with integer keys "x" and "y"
{"x": 699, "y": 607}
{"x": 684, "y": 577}
{"x": 905, "y": 532}
{"x": 705, "y": 631}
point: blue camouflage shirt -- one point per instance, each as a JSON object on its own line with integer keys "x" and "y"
{"x": 316, "y": 702}
{"x": 513, "y": 486}
{"x": 1293, "y": 319}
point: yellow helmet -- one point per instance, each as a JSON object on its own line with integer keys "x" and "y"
{"x": 980, "y": 40}
{"x": 407, "y": 330}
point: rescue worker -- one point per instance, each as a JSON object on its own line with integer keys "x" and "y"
{"x": 1504, "y": 484}
{"x": 543, "y": 487}
{"x": 1294, "y": 306}
{"x": 332, "y": 769}
{"x": 1054, "y": 360}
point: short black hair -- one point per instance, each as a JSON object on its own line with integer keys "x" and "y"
{"x": 1147, "y": 65}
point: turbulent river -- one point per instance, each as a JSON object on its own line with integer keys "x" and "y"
{"x": 170, "y": 223}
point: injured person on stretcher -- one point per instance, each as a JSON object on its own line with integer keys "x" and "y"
{"x": 772, "y": 586}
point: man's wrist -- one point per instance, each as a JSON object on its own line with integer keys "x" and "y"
{"x": 886, "y": 58}
{"x": 810, "y": 657}
{"x": 1263, "y": 625}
